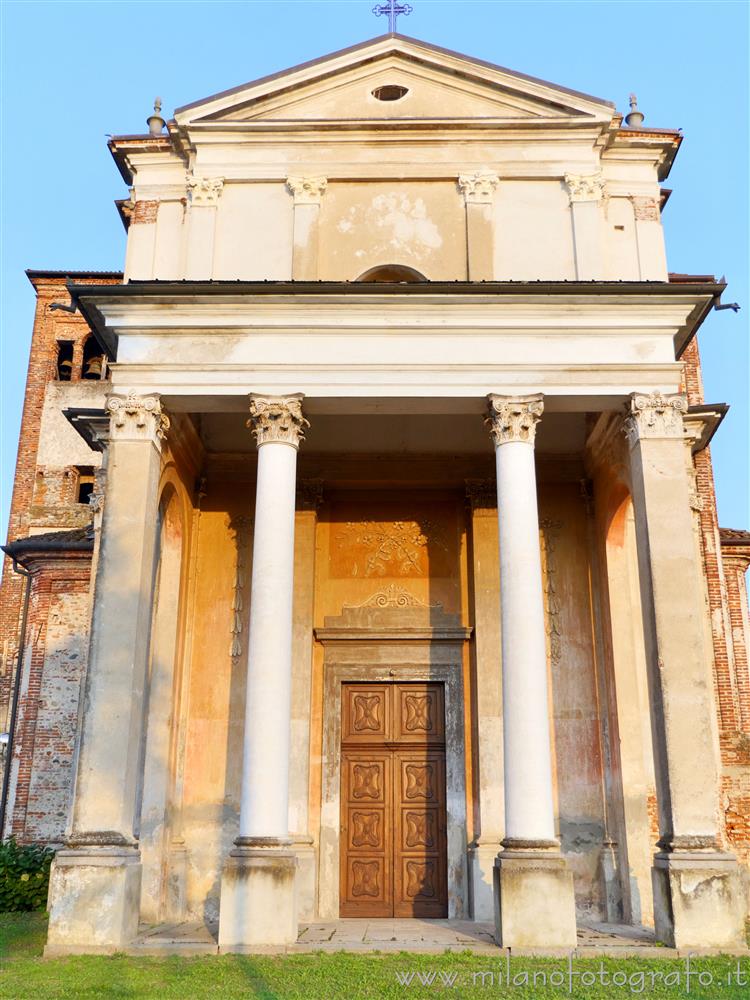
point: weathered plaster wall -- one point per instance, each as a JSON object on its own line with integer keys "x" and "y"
{"x": 421, "y": 225}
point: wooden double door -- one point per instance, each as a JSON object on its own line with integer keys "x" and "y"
{"x": 393, "y": 817}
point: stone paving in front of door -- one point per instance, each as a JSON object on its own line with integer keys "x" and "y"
{"x": 412, "y": 935}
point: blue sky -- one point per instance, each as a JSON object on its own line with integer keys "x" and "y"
{"x": 74, "y": 71}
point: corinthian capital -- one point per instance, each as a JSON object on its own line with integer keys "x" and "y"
{"x": 307, "y": 190}
{"x": 277, "y": 418}
{"x": 204, "y": 190}
{"x": 479, "y": 188}
{"x": 136, "y": 418}
{"x": 585, "y": 187}
{"x": 513, "y": 418}
{"x": 655, "y": 416}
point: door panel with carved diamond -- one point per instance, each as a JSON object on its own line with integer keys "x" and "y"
{"x": 393, "y": 823}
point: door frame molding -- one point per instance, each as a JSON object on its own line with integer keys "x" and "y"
{"x": 384, "y": 643}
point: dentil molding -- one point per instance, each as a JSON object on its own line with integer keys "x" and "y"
{"x": 277, "y": 419}
{"x": 307, "y": 190}
{"x": 585, "y": 187}
{"x": 479, "y": 188}
{"x": 514, "y": 418}
{"x": 655, "y": 416}
{"x": 204, "y": 190}
{"x": 136, "y": 418}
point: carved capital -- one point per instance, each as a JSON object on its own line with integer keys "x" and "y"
{"x": 585, "y": 187}
{"x": 307, "y": 190}
{"x": 136, "y": 418}
{"x": 204, "y": 190}
{"x": 277, "y": 419}
{"x": 479, "y": 188}
{"x": 654, "y": 416}
{"x": 645, "y": 209}
{"x": 514, "y": 418}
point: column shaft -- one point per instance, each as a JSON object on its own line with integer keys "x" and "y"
{"x": 529, "y": 813}
{"x": 264, "y": 810}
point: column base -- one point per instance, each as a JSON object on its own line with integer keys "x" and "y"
{"x": 698, "y": 900}
{"x": 258, "y": 903}
{"x": 534, "y": 900}
{"x": 94, "y": 900}
{"x": 482, "y": 857}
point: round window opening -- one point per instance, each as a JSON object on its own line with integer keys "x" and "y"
{"x": 390, "y": 92}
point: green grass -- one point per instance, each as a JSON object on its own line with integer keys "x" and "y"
{"x": 341, "y": 976}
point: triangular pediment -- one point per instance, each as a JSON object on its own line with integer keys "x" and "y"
{"x": 437, "y": 85}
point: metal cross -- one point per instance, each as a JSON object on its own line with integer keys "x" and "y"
{"x": 394, "y": 10}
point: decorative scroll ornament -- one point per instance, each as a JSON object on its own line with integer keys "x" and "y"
{"x": 655, "y": 416}
{"x": 585, "y": 187}
{"x": 136, "y": 418}
{"x": 277, "y": 419}
{"x": 550, "y": 532}
{"x": 513, "y": 418}
{"x": 393, "y": 597}
{"x": 307, "y": 190}
{"x": 204, "y": 190}
{"x": 479, "y": 188}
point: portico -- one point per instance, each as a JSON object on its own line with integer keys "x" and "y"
{"x": 391, "y": 439}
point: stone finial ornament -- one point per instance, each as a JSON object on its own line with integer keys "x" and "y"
{"x": 655, "y": 416}
{"x": 155, "y": 121}
{"x": 635, "y": 117}
{"x": 277, "y": 419}
{"x": 513, "y": 418}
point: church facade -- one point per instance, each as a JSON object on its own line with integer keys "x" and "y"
{"x": 402, "y": 591}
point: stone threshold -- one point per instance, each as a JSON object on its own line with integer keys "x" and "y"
{"x": 414, "y": 935}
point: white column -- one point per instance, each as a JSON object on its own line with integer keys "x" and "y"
{"x": 586, "y": 192}
{"x": 529, "y": 811}
{"x": 534, "y": 903}
{"x": 278, "y": 425}
{"x": 258, "y": 894}
{"x": 479, "y": 194}
{"x": 308, "y": 192}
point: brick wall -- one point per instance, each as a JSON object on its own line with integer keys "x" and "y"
{"x": 56, "y": 487}
{"x": 54, "y": 664}
{"x": 726, "y": 556}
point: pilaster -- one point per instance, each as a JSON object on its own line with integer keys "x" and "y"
{"x": 482, "y": 502}
{"x": 309, "y": 498}
{"x": 696, "y": 885}
{"x": 649, "y": 237}
{"x": 203, "y": 202}
{"x": 478, "y": 190}
{"x": 587, "y": 193}
{"x": 308, "y": 193}
{"x": 94, "y": 897}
